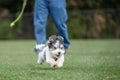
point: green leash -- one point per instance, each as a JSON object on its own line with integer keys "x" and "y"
{"x": 19, "y": 16}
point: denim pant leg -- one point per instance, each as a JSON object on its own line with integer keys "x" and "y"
{"x": 58, "y": 13}
{"x": 40, "y": 19}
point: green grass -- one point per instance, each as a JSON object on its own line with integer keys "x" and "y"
{"x": 85, "y": 60}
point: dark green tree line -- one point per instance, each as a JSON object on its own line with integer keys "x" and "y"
{"x": 87, "y": 19}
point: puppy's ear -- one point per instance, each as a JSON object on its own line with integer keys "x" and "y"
{"x": 52, "y": 38}
{"x": 60, "y": 38}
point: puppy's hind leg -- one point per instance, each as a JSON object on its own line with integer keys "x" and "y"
{"x": 40, "y": 60}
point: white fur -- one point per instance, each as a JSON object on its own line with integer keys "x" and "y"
{"x": 49, "y": 57}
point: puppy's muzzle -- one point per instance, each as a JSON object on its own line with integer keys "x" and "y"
{"x": 58, "y": 55}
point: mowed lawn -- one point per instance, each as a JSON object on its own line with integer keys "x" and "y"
{"x": 85, "y": 60}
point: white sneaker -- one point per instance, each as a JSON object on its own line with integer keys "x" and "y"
{"x": 39, "y": 48}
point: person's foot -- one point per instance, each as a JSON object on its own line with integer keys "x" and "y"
{"x": 38, "y": 48}
{"x": 66, "y": 49}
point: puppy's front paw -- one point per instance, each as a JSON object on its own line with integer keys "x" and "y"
{"x": 59, "y": 65}
{"x": 54, "y": 65}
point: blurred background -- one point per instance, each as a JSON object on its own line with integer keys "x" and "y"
{"x": 87, "y": 19}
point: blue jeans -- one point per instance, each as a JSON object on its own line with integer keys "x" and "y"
{"x": 57, "y": 10}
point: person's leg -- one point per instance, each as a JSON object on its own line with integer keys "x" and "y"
{"x": 40, "y": 19}
{"x": 58, "y": 13}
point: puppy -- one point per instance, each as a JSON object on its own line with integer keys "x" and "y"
{"x": 53, "y": 52}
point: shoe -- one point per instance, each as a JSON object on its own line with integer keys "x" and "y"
{"x": 38, "y": 48}
{"x": 66, "y": 49}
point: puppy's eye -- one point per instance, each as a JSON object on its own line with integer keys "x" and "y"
{"x": 62, "y": 48}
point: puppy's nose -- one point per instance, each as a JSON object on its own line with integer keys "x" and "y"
{"x": 59, "y": 53}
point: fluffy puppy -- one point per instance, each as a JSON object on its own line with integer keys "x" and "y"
{"x": 53, "y": 52}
